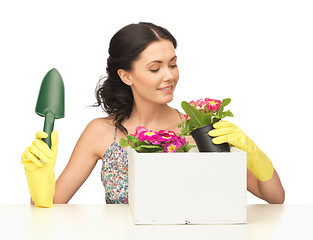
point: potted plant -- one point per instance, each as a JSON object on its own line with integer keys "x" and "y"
{"x": 168, "y": 181}
{"x": 201, "y": 115}
{"x": 148, "y": 141}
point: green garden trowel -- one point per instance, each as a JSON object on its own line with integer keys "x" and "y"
{"x": 50, "y": 102}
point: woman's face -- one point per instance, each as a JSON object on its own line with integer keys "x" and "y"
{"x": 154, "y": 74}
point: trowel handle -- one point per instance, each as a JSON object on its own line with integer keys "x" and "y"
{"x": 48, "y": 127}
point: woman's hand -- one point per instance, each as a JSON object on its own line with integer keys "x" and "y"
{"x": 257, "y": 162}
{"x": 39, "y": 161}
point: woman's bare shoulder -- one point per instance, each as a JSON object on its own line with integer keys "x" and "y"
{"x": 100, "y": 133}
{"x": 100, "y": 124}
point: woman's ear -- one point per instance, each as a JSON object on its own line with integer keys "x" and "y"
{"x": 124, "y": 75}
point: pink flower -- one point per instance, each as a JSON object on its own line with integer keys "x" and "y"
{"x": 172, "y": 133}
{"x": 213, "y": 104}
{"x": 206, "y": 104}
{"x": 172, "y": 146}
{"x": 199, "y": 104}
{"x": 168, "y": 141}
{"x": 193, "y": 103}
{"x": 164, "y": 138}
{"x": 182, "y": 141}
{"x": 139, "y": 130}
{"x": 149, "y": 135}
{"x": 157, "y": 142}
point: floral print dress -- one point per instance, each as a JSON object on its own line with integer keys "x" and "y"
{"x": 114, "y": 173}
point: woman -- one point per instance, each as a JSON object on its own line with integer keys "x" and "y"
{"x": 141, "y": 78}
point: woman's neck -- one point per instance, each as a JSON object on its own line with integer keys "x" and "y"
{"x": 150, "y": 115}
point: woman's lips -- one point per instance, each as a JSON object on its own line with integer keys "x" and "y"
{"x": 166, "y": 89}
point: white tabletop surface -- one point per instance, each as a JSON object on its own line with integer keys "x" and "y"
{"x": 115, "y": 222}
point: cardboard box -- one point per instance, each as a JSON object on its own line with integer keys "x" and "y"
{"x": 187, "y": 188}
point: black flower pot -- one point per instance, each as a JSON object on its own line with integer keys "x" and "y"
{"x": 204, "y": 140}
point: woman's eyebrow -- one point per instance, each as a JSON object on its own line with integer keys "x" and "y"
{"x": 173, "y": 58}
{"x": 159, "y": 61}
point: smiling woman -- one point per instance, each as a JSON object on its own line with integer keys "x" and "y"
{"x": 142, "y": 74}
{"x": 141, "y": 56}
{"x": 155, "y": 80}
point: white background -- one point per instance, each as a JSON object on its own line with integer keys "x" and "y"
{"x": 258, "y": 53}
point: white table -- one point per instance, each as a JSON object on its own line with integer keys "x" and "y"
{"x": 115, "y": 222}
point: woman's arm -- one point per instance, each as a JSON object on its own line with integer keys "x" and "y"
{"x": 271, "y": 191}
{"x": 263, "y": 180}
{"x": 88, "y": 150}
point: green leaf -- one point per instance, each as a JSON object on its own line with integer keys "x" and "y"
{"x": 188, "y": 146}
{"x": 219, "y": 110}
{"x": 216, "y": 119}
{"x": 189, "y": 127}
{"x": 193, "y": 113}
{"x": 124, "y": 143}
{"x": 146, "y": 149}
{"x": 151, "y": 146}
{"x": 228, "y": 113}
{"x": 132, "y": 139}
{"x": 226, "y": 101}
{"x": 181, "y": 149}
{"x": 207, "y": 118}
{"x": 185, "y": 148}
{"x": 181, "y": 124}
{"x": 185, "y": 131}
{"x": 138, "y": 149}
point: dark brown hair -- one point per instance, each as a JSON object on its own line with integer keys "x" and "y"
{"x": 113, "y": 95}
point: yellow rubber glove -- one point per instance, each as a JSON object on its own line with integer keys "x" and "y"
{"x": 257, "y": 162}
{"x": 39, "y": 161}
